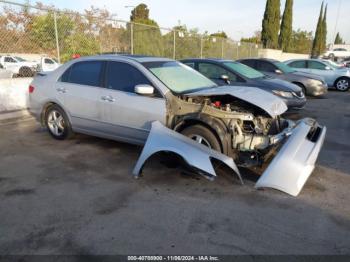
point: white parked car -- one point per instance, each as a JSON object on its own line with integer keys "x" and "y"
{"x": 337, "y": 53}
{"x": 18, "y": 66}
{"x": 21, "y": 67}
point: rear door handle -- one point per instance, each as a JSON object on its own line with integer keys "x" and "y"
{"x": 61, "y": 90}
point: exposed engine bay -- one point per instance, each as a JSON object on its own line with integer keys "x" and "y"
{"x": 251, "y": 131}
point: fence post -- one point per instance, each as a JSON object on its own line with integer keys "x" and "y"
{"x": 132, "y": 38}
{"x": 201, "y": 47}
{"x": 174, "y": 46}
{"x": 56, "y": 35}
{"x": 222, "y": 48}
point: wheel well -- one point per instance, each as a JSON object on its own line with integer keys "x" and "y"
{"x": 342, "y": 77}
{"x": 191, "y": 122}
{"x": 298, "y": 84}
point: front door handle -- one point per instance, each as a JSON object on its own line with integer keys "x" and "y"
{"x": 108, "y": 99}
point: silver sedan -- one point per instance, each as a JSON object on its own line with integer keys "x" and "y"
{"x": 334, "y": 75}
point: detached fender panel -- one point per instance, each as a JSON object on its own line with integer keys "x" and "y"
{"x": 162, "y": 139}
{"x": 294, "y": 163}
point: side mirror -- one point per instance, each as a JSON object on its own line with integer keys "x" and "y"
{"x": 225, "y": 78}
{"x": 144, "y": 90}
{"x": 328, "y": 68}
{"x": 279, "y": 72}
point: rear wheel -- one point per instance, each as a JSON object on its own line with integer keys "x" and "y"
{"x": 57, "y": 123}
{"x": 25, "y": 72}
{"x": 202, "y": 135}
{"x": 342, "y": 84}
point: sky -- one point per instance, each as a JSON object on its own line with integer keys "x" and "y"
{"x": 238, "y": 18}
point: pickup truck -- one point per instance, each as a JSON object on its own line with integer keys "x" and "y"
{"x": 21, "y": 67}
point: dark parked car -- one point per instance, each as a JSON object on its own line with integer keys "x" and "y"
{"x": 228, "y": 72}
{"x": 311, "y": 85}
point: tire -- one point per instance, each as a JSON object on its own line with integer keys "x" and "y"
{"x": 25, "y": 72}
{"x": 57, "y": 123}
{"x": 302, "y": 88}
{"x": 342, "y": 84}
{"x": 331, "y": 57}
{"x": 202, "y": 135}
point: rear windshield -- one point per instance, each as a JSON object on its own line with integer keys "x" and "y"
{"x": 244, "y": 70}
{"x": 178, "y": 77}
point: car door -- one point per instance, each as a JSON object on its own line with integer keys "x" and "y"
{"x": 79, "y": 91}
{"x": 300, "y": 65}
{"x": 267, "y": 68}
{"x": 10, "y": 63}
{"x": 215, "y": 73}
{"x": 126, "y": 115}
{"x": 323, "y": 70}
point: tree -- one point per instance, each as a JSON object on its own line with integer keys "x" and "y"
{"x": 338, "y": 40}
{"x": 140, "y": 12}
{"x": 256, "y": 39}
{"x": 271, "y": 24}
{"x": 221, "y": 34}
{"x": 317, "y": 43}
{"x": 301, "y": 42}
{"x": 286, "y": 27}
{"x": 146, "y": 32}
{"x": 324, "y": 32}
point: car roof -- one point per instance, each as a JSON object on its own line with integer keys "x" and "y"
{"x": 259, "y": 59}
{"x": 215, "y": 60}
{"x": 137, "y": 58}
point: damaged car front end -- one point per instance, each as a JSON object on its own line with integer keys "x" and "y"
{"x": 247, "y": 125}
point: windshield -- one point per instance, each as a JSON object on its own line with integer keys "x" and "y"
{"x": 284, "y": 68}
{"x": 20, "y": 59}
{"x": 332, "y": 64}
{"x": 177, "y": 77}
{"x": 244, "y": 70}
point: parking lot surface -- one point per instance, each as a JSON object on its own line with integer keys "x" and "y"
{"x": 78, "y": 197}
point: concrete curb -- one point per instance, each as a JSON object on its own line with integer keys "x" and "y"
{"x": 14, "y": 114}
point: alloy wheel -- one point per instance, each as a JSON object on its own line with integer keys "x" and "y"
{"x": 343, "y": 85}
{"x": 55, "y": 122}
{"x": 201, "y": 140}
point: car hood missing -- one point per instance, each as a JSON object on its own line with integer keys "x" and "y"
{"x": 268, "y": 102}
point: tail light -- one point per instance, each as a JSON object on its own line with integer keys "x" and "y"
{"x": 31, "y": 89}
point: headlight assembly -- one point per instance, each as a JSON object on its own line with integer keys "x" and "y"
{"x": 283, "y": 94}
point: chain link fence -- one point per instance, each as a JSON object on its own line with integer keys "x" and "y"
{"x": 37, "y": 31}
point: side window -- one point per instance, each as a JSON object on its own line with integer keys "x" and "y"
{"x": 265, "y": 66}
{"x": 48, "y": 61}
{"x": 215, "y": 72}
{"x": 190, "y": 64}
{"x": 316, "y": 65}
{"x": 84, "y": 73}
{"x": 298, "y": 64}
{"x": 250, "y": 63}
{"x": 10, "y": 60}
{"x": 124, "y": 77}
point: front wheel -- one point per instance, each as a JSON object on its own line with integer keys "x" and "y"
{"x": 342, "y": 84}
{"x": 202, "y": 135}
{"x": 303, "y": 89}
{"x": 57, "y": 123}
